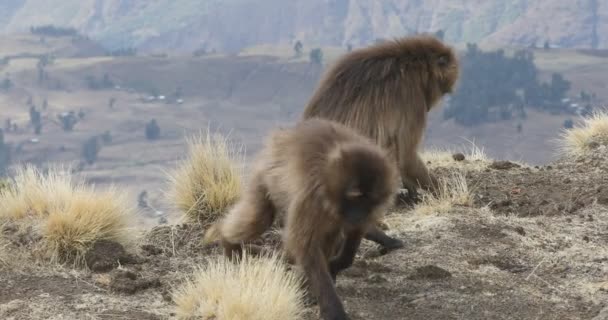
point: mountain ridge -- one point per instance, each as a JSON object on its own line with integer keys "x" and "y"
{"x": 236, "y": 24}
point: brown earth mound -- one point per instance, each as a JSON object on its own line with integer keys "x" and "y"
{"x": 535, "y": 246}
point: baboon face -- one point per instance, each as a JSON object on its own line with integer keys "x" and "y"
{"x": 369, "y": 183}
{"x": 445, "y": 66}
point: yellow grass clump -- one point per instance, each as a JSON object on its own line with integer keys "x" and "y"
{"x": 208, "y": 181}
{"x": 69, "y": 216}
{"x": 454, "y": 191}
{"x": 580, "y": 140}
{"x": 254, "y": 289}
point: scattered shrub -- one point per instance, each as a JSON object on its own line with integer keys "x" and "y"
{"x": 593, "y": 132}
{"x": 90, "y": 150}
{"x": 152, "y": 130}
{"x": 208, "y": 181}
{"x": 66, "y": 216}
{"x": 316, "y": 56}
{"x": 254, "y": 289}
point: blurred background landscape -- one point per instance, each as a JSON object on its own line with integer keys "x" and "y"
{"x": 113, "y": 87}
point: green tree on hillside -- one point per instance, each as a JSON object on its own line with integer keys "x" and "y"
{"x": 152, "y": 130}
{"x": 494, "y": 87}
{"x": 297, "y": 48}
{"x": 316, "y": 56}
{"x": 90, "y": 150}
{"x": 5, "y": 154}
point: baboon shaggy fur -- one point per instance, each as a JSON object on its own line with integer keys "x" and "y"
{"x": 385, "y": 92}
{"x": 329, "y": 185}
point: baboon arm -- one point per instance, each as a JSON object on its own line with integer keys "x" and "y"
{"x": 346, "y": 257}
{"x": 321, "y": 285}
{"x": 380, "y": 237}
{"x": 414, "y": 171}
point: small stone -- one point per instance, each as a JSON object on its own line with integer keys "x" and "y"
{"x": 106, "y": 255}
{"x": 376, "y": 278}
{"x": 520, "y": 230}
{"x": 503, "y": 165}
{"x": 458, "y": 156}
{"x": 430, "y": 272}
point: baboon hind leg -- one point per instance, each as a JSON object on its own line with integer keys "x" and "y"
{"x": 346, "y": 256}
{"x": 249, "y": 218}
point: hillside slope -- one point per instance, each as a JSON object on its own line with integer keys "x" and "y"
{"x": 235, "y": 24}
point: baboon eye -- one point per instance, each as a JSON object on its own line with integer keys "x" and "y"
{"x": 354, "y": 193}
{"x": 442, "y": 61}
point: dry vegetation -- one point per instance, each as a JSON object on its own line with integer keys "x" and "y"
{"x": 474, "y": 158}
{"x": 592, "y": 132}
{"x": 256, "y": 289}
{"x": 66, "y": 217}
{"x": 517, "y": 243}
{"x": 208, "y": 181}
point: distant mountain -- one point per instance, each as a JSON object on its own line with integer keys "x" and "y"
{"x": 230, "y": 25}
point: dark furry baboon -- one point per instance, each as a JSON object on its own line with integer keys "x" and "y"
{"x": 329, "y": 185}
{"x": 385, "y": 92}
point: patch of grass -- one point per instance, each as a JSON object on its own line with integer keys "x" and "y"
{"x": 474, "y": 158}
{"x": 68, "y": 216}
{"x": 209, "y": 180}
{"x": 592, "y": 132}
{"x": 254, "y": 289}
{"x": 453, "y": 191}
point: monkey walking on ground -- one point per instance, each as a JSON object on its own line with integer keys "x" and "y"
{"x": 330, "y": 185}
{"x": 385, "y": 92}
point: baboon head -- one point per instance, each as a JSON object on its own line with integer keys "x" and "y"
{"x": 444, "y": 66}
{"x": 362, "y": 181}
{"x": 426, "y": 61}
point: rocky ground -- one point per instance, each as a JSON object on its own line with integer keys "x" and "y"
{"x": 534, "y": 245}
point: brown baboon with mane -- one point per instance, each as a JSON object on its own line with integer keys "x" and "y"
{"x": 384, "y": 92}
{"x": 329, "y": 185}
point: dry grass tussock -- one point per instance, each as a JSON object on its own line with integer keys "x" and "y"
{"x": 592, "y": 132}
{"x": 454, "y": 191}
{"x": 255, "y": 289}
{"x": 475, "y": 158}
{"x": 209, "y": 180}
{"x": 68, "y": 215}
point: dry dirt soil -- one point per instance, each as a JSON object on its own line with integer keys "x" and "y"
{"x": 533, "y": 246}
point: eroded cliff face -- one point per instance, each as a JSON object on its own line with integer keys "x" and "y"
{"x": 231, "y": 25}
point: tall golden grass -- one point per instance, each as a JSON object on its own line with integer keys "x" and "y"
{"x": 68, "y": 215}
{"x": 254, "y": 289}
{"x": 209, "y": 180}
{"x": 592, "y": 132}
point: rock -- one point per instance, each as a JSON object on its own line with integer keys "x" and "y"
{"x": 503, "y": 165}
{"x": 458, "y": 156}
{"x": 151, "y": 250}
{"x": 430, "y": 272}
{"x": 106, "y": 255}
{"x": 125, "y": 281}
{"x": 376, "y": 278}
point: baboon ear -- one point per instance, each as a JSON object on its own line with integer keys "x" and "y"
{"x": 443, "y": 61}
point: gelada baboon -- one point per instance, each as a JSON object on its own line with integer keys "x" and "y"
{"x": 329, "y": 185}
{"x": 385, "y": 92}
